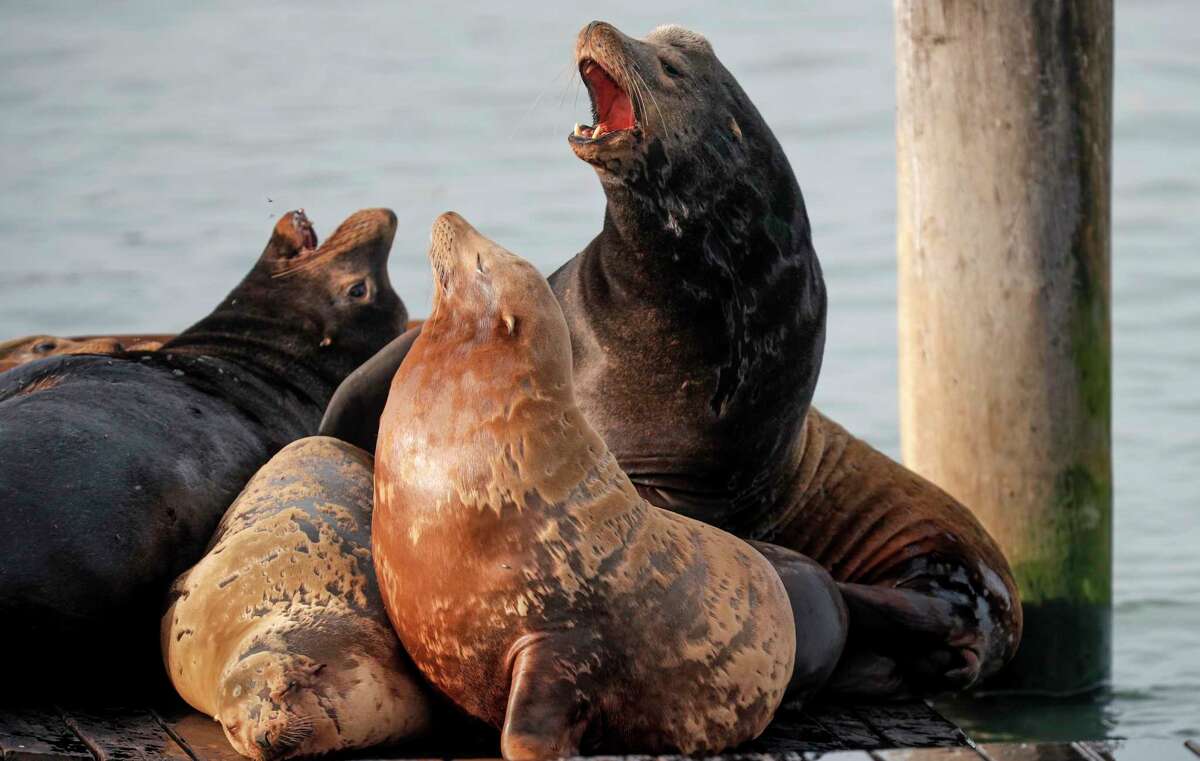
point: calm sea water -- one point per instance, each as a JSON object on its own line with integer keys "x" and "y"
{"x": 145, "y": 150}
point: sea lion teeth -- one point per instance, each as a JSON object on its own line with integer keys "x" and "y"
{"x": 598, "y": 131}
{"x": 744, "y": 425}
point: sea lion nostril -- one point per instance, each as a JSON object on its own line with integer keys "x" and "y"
{"x": 262, "y": 741}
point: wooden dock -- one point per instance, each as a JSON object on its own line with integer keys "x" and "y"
{"x": 910, "y": 731}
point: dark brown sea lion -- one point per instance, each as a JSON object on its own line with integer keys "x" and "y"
{"x": 697, "y": 320}
{"x": 524, "y": 574}
{"x": 279, "y": 632}
{"x": 18, "y": 351}
{"x": 117, "y": 469}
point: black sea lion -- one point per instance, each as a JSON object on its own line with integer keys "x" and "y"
{"x": 279, "y": 632}
{"x": 117, "y": 469}
{"x": 697, "y": 323}
{"x": 524, "y": 574}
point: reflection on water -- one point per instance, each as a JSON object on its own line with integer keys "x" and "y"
{"x": 146, "y": 150}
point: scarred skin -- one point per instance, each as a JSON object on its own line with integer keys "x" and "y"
{"x": 697, "y": 324}
{"x": 279, "y": 632}
{"x": 18, "y": 351}
{"x": 117, "y": 469}
{"x": 525, "y": 576}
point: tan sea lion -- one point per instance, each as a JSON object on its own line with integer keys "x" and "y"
{"x": 18, "y": 351}
{"x": 526, "y": 577}
{"x": 279, "y": 632}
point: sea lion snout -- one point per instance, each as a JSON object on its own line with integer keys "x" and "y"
{"x": 271, "y": 706}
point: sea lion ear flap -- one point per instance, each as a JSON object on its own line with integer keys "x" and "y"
{"x": 509, "y": 322}
{"x": 292, "y": 237}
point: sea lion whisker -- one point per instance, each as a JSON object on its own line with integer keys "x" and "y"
{"x": 649, "y": 91}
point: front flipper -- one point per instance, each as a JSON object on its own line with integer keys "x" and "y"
{"x": 354, "y": 410}
{"x": 819, "y": 613}
{"x": 546, "y": 714}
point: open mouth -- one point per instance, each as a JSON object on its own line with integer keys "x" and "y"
{"x": 308, "y": 236}
{"x": 612, "y": 109}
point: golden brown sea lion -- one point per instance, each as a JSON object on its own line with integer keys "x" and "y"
{"x": 524, "y": 574}
{"x": 279, "y": 632}
{"x": 18, "y": 351}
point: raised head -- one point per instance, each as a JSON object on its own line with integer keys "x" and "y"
{"x": 490, "y": 373}
{"x": 491, "y": 302}
{"x": 673, "y": 129}
{"x": 319, "y": 308}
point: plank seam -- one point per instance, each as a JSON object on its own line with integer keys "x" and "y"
{"x": 832, "y": 734}
{"x": 887, "y": 741}
{"x": 175, "y": 736}
{"x": 94, "y": 749}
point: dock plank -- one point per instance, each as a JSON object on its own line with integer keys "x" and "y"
{"x": 202, "y": 736}
{"x": 1033, "y": 752}
{"x": 38, "y": 735}
{"x": 124, "y": 734}
{"x": 848, "y": 727}
{"x": 913, "y": 724}
{"x": 958, "y": 753}
{"x": 794, "y": 731}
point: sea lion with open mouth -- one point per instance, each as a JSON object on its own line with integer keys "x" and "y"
{"x": 526, "y": 577}
{"x": 697, "y": 321}
{"x": 117, "y": 469}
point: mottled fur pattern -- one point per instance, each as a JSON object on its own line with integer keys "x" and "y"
{"x": 697, "y": 321}
{"x": 279, "y": 632}
{"x": 526, "y": 577}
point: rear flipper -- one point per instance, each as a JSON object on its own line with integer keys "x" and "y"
{"x": 819, "y": 613}
{"x": 912, "y": 641}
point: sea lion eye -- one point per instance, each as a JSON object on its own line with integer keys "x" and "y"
{"x": 44, "y": 347}
{"x": 671, "y": 70}
{"x": 358, "y": 290}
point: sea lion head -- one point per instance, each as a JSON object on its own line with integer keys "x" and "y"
{"x": 326, "y": 307}
{"x": 313, "y": 693}
{"x": 18, "y": 351}
{"x": 341, "y": 284}
{"x": 676, "y": 138}
{"x": 484, "y": 294}
{"x": 270, "y": 705}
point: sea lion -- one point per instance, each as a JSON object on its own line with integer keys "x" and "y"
{"x": 525, "y": 576}
{"x": 279, "y": 632}
{"x": 18, "y": 351}
{"x": 117, "y": 469}
{"x": 697, "y": 321}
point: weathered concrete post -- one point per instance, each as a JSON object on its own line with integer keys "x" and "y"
{"x": 1004, "y": 134}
